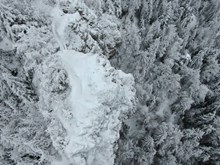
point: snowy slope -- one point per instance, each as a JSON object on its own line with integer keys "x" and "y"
{"x": 100, "y": 97}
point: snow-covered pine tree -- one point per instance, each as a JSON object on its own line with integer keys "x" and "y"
{"x": 178, "y": 83}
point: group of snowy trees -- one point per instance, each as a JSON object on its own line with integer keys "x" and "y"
{"x": 24, "y": 45}
{"x": 172, "y": 49}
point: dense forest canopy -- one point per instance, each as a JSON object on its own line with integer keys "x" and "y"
{"x": 172, "y": 49}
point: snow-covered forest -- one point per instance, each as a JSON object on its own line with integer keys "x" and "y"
{"x": 109, "y": 82}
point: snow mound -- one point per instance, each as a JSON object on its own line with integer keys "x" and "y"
{"x": 100, "y": 98}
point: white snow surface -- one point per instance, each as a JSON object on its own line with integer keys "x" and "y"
{"x": 100, "y": 97}
{"x": 60, "y": 23}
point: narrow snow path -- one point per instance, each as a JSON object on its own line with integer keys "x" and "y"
{"x": 90, "y": 89}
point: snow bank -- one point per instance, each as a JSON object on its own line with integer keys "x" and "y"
{"x": 100, "y": 97}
